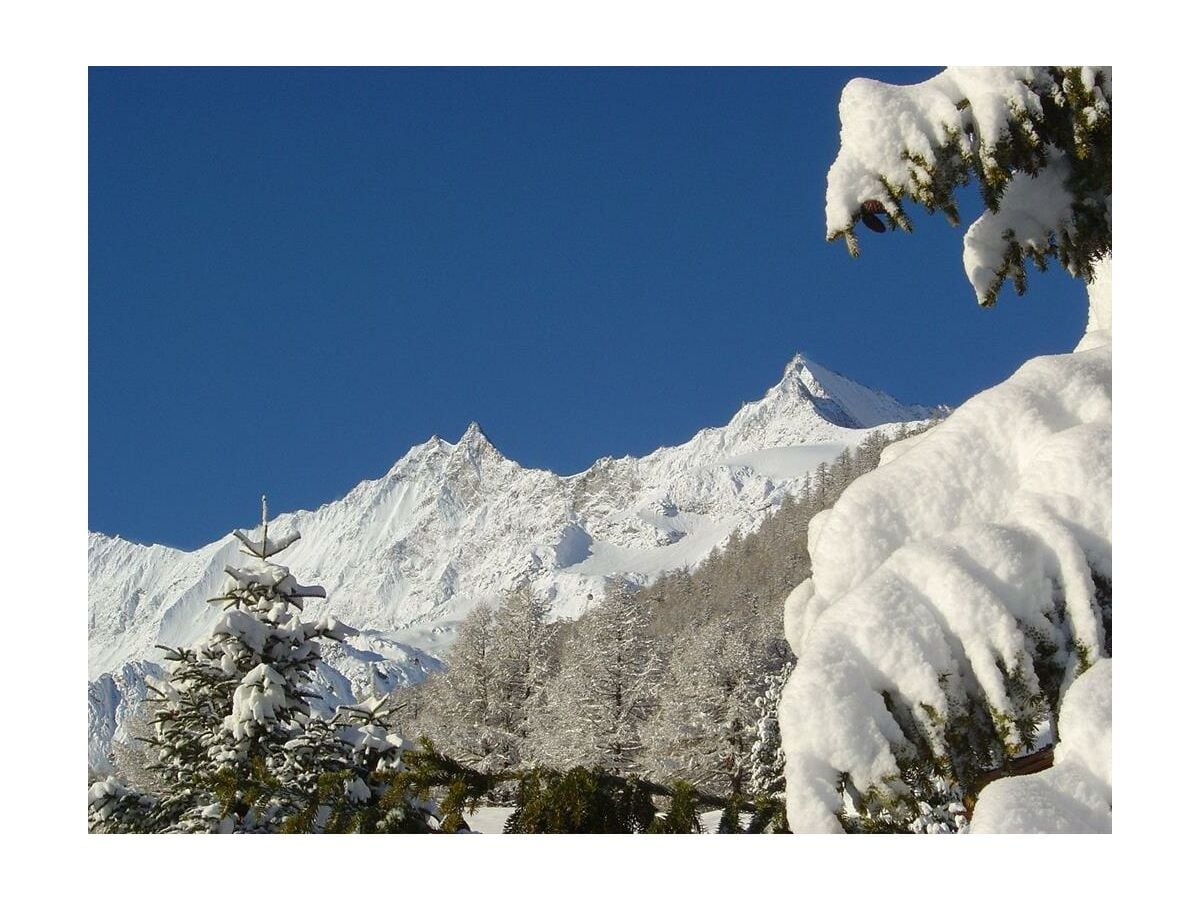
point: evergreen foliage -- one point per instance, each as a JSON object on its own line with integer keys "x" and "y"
{"x": 605, "y": 689}
{"x": 467, "y": 697}
{"x": 1055, "y": 122}
{"x": 614, "y": 674}
{"x": 496, "y": 671}
{"x": 581, "y": 801}
{"x": 523, "y": 659}
{"x": 766, "y": 755}
{"x": 236, "y": 744}
{"x": 703, "y": 729}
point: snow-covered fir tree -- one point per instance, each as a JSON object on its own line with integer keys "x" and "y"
{"x": 960, "y": 590}
{"x": 236, "y": 743}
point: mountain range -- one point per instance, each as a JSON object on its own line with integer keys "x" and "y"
{"x": 404, "y": 557}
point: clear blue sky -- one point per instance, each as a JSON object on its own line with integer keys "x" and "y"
{"x": 297, "y": 274}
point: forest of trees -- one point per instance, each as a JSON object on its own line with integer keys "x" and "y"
{"x": 676, "y": 680}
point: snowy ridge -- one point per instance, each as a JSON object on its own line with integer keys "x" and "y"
{"x": 112, "y": 699}
{"x": 404, "y": 557}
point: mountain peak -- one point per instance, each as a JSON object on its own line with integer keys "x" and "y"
{"x": 811, "y": 376}
{"x": 455, "y": 524}
{"x": 839, "y": 400}
{"x": 475, "y": 440}
{"x": 473, "y": 434}
{"x": 797, "y": 364}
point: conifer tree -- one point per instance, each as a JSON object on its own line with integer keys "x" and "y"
{"x": 620, "y": 674}
{"x": 1038, "y": 142}
{"x": 462, "y": 706}
{"x": 703, "y": 728}
{"x": 766, "y": 756}
{"x": 236, "y": 740}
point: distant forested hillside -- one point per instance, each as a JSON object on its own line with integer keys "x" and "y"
{"x": 678, "y": 679}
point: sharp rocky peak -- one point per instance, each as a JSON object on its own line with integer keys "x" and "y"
{"x": 803, "y": 387}
{"x": 474, "y": 435}
{"x": 833, "y": 397}
{"x": 474, "y": 439}
{"x": 802, "y": 373}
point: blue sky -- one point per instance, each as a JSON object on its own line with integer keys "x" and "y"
{"x": 297, "y": 274}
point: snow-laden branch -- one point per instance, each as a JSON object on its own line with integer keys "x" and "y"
{"x": 1038, "y": 140}
{"x": 1076, "y": 795}
{"x": 957, "y": 591}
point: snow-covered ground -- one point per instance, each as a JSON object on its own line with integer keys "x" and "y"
{"x": 489, "y": 819}
{"x": 406, "y": 556}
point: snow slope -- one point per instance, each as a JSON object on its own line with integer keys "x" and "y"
{"x": 406, "y": 556}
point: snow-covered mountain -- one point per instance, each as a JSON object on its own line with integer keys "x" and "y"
{"x": 405, "y": 556}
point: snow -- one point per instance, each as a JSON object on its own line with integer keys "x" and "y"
{"x": 878, "y": 120}
{"x": 787, "y": 463}
{"x": 959, "y": 554}
{"x": 112, "y": 700}
{"x": 890, "y": 135}
{"x": 454, "y": 524}
{"x": 269, "y": 575}
{"x": 246, "y": 628}
{"x": 253, "y": 544}
{"x": 1073, "y": 796}
{"x": 405, "y": 557}
{"x": 105, "y": 794}
{"x": 367, "y": 709}
{"x": 838, "y": 396}
{"x": 1004, "y": 452}
{"x": 1099, "y": 324}
{"x": 256, "y": 702}
{"x": 489, "y": 819}
{"x": 1035, "y": 209}
{"x": 357, "y": 791}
